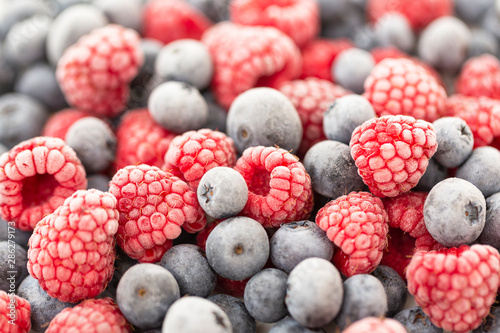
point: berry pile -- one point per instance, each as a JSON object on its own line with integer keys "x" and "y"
{"x": 249, "y": 166}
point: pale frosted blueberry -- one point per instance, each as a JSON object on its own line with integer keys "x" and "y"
{"x": 127, "y": 13}
{"x": 416, "y": 321}
{"x": 393, "y": 29}
{"x": 351, "y": 68}
{"x": 240, "y": 318}
{"x": 455, "y": 141}
{"x": 395, "y": 288}
{"x": 481, "y": 169}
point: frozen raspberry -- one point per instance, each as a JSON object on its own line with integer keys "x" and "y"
{"x": 153, "y": 207}
{"x": 480, "y": 77}
{"x": 357, "y": 224}
{"x": 279, "y": 187}
{"x": 94, "y": 74}
{"x": 246, "y": 57}
{"x": 419, "y": 13}
{"x": 392, "y": 153}
{"x": 20, "y": 322}
{"x": 169, "y": 20}
{"x": 407, "y": 232}
{"x": 59, "y": 123}
{"x": 401, "y": 86}
{"x": 375, "y": 325}
{"x": 299, "y": 19}
{"x": 319, "y": 55}
{"x": 312, "y": 97}
{"x": 455, "y": 287}
{"x": 231, "y": 287}
{"x": 35, "y": 178}
{"x": 482, "y": 115}
{"x": 140, "y": 140}
{"x": 72, "y": 251}
{"x": 92, "y": 315}
{"x": 193, "y": 153}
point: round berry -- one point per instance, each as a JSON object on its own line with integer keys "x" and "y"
{"x": 481, "y": 169}
{"x": 416, "y": 321}
{"x": 241, "y": 320}
{"x": 455, "y": 141}
{"x": 491, "y": 232}
{"x": 288, "y": 325}
{"x": 351, "y": 68}
{"x": 13, "y": 262}
{"x": 395, "y": 288}
{"x": 393, "y": 29}
{"x": 126, "y": 13}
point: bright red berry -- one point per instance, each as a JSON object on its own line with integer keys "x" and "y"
{"x": 357, "y": 224}
{"x": 140, "y": 140}
{"x": 246, "y": 57}
{"x": 392, "y": 153}
{"x": 94, "y": 74}
{"x": 456, "y": 286}
{"x": 92, "y": 315}
{"x": 375, "y": 325}
{"x": 36, "y": 176}
{"x": 299, "y": 19}
{"x": 279, "y": 187}
{"x": 59, "y": 123}
{"x": 15, "y": 314}
{"x": 480, "y": 77}
{"x": 72, "y": 251}
{"x": 402, "y": 86}
{"x": 312, "y": 97}
{"x": 169, "y": 20}
{"x": 153, "y": 207}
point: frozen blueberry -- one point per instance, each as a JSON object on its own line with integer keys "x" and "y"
{"x": 185, "y": 60}
{"x": 195, "y": 314}
{"x": 351, "y": 68}
{"x": 98, "y": 181}
{"x": 94, "y": 142}
{"x": 264, "y": 117}
{"x": 314, "y": 292}
{"x": 237, "y": 248}
{"x": 71, "y": 24}
{"x": 332, "y": 10}
{"x": 21, "y": 237}
{"x": 472, "y": 11}
{"x": 393, "y": 29}
{"x": 216, "y": 10}
{"x": 481, "y": 169}
{"x": 39, "y": 81}
{"x": 13, "y": 264}
{"x": 290, "y": 325}
{"x": 265, "y": 295}
{"x": 127, "y": 13}
{"x": 491, "y": 232}
{"x": 144, "y": 294}
{"x": 364, "y": 296}
{"x": 434, "y": 173}
{"x": 491, "y": 22}
{"x": 455, "y": 212}
{"x": 482, "y": 41}
{"x": 240, "y": 318}
{"x": 222, "y": 192}
{"x": 189, "y": 265}
{"x": 416, "y": 321}
{"x": 490, "y": 324}
{"x": 443, "y": 43}
{"x": 296, "y": 241}
{"x": 21, "y": 118}
{"x": 345, "y": 25}
{"x": 178, "y": 107}
{"x": 332, "y": 169}
{"x": 12, "y": 12}
{"x": 395, "y": 288}
{"x": 344, "y": 115}
{"x": 455, "y": 141}
{"x": 43, "y": 307}
{"x": 217, "y": 115}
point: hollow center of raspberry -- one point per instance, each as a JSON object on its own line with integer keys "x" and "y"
{"x": 38, "y": 189}
{"x": 260, "y": 182}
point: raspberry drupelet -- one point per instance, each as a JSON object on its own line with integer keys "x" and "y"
{"x": 357, "y": 224}
{"x": 279, "y": 187}
{"x": 72, "y": 251}
{"x": 36, "y": 176}
{"x": 392, "y": 153}
{"x": 94, "y": 74}
{"x": 455, "y": 286}
{"x": 21, "y": 323}
{"x": 59, "y": 123}
{"x": 402, "y": 86}
{"x": 92, "y": 315}
{"x": 153, "y": 207}
{"x": 480, "y": 77}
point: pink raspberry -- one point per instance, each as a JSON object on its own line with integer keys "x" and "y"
{"x": 140, "y": 140}
{"x": 402, "y": 86}
{"x": 153, "y": 207}
{"x": 59, "y": 123}
{"x": 279, "y": 187}
{"x": 35, "y": 178}
{"x": 357, "y": 224}
{"x": 22, "y": 309}
{"x": 455, "y": 286}
{"x": 312, "y": 97}
{"x": 480, "y": 77}
{"x": 94, "y": 74}
{"x": 299, "y": 19}
{"x": 169, "y": 20}
{"x": 193, "y": 153}
{"x": 72, "y": 251}
{"x": 375, "y": 325}
{"x": 91, "y": 315}
{"x": 392, "y": 153}
{"x": 246, "y": 57}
